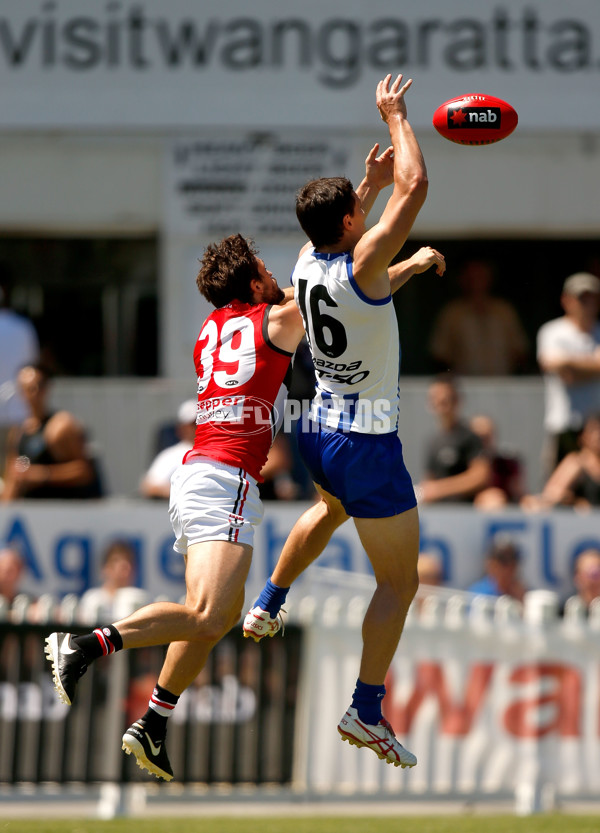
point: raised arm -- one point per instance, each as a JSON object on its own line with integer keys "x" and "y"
{"x": 378, "y": 246}
{"x": 379, "y": 173}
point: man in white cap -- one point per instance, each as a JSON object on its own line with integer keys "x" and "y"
{"x": 568, "y": 352}
{"x": 157, "y": 480}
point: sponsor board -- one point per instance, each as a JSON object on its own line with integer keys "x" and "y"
{"x": 132, "y": 63}
{"x": 63, "y": 543}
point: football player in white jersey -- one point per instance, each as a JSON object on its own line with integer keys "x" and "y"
{"x": 349, "y": 441}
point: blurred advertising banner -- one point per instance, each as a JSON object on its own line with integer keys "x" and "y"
{"x": 490, "y": 703}
{"x": 135, "y": 63}
{"x": 63, "y": 543}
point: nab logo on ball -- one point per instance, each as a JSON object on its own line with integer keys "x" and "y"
{"x": 475, "y": 119}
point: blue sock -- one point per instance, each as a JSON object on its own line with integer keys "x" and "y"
{"x": 271, "y": 598}
{"x": 367, "y": 702}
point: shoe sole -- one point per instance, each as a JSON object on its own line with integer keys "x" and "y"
{"x": 132, "y": 746}
{"x": 353, "y": 741}
{"x": 52, "y": 652}
{"x": 257, "y": 638}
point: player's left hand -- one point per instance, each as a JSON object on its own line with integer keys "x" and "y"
{"x": 426, "y": 257}
{"x": 390, "y": 97}
{"x": 379, "y": 170}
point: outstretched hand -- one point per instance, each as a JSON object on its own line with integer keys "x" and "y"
{"x": 390, "y": 97}
{"x": 426, "y": 257}
{"x": 379, "y": 170}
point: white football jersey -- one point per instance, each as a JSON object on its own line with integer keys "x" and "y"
{"x": 354, "y": 345}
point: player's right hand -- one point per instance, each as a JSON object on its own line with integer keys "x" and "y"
{"x": 428, "y": 256}
{"x": 390, "y": 97}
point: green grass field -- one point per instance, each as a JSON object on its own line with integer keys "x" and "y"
{"x": 314, "y": 824}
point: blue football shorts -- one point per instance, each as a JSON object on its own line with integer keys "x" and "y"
{"x": 365, "y": 472}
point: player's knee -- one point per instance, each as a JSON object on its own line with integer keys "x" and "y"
{"x": 211, "y": 624}
{"x": 413, "y": 585}
{"x": 335, "y": 512}
{"x": 406, "y": 589}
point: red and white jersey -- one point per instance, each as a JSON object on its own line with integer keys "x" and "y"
{"x": 241, "y": 391}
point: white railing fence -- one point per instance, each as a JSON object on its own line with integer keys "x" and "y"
{"x": 496, "y": 698}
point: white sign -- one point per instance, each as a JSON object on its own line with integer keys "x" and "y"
{"x": 219, "y": 186}
{"x": 507, "y": 708}
{"x": 141, "y": 63}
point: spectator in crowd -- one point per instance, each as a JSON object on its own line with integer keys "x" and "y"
{"x": 12, "y": 572}
{"x": 119, "y": 565}
{"x": 277, "y": 473}
{"x": 19, "y": 345}
{"x": 12, "y": 569}
{"x": 568, "y": 351}
{"x": 576, "y": 480}
{"x": 502, "y": 565}
{"x": 456, "y": 467}
{"x": 48, "y": 454}
{"x": 478, "y": 334}
{"x": 506, "y": 482}
{"x": 586, "y": 576}
{"x": 429, "y": 568}
{"x": 157, "y": 480}
{"x": 431, "y": 576}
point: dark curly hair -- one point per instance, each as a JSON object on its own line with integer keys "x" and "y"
{"x": 321, "y": 206}
{"x": 226, "y": 270}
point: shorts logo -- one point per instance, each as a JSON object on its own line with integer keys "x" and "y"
{"x": 236, "y": 520}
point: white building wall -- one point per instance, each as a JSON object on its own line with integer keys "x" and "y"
{"x": 529, "y": 186}
{"x": 67, "y": 184}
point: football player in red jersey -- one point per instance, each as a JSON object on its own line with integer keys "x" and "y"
{"x": 242, "y": 356}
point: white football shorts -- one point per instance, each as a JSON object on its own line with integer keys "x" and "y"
{"x": 212, "y": 501}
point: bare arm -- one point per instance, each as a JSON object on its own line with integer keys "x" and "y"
{"x": 573, "y": 369}
{"x": 285, "y": 326}
{"x": 379, "y": 173}
{"x": 402, "y": 272}
{"x": 289, "y": 294}
{"x": 465, "y": 484}
{"x": 378, "y": 246}
{"x": 155, "y": 490}
{"x": 558, "y": 487}
{"x": 66, "y": 441}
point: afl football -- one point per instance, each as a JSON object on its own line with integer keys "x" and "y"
{"x": 475, "y": 119}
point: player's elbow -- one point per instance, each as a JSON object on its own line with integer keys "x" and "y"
{"x": 419, "y": 185}
{"x": 414, "y": 191}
